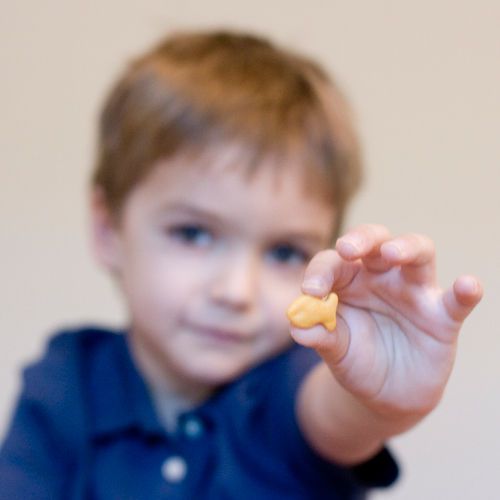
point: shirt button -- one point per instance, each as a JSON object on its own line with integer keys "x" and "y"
{"x": 193, "y": 427}
{"x": 174, "y": 469}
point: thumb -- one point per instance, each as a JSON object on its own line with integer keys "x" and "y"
{"x": 331, "y": 346}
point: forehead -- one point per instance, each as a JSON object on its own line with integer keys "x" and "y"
{"x": 269, "y": 193}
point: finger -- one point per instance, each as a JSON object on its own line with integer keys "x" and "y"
{"x": 364, "y": 242}
{"x": 327, "y": 270}
{"x": 416, "y": 255}
{"x": 462, "y": 297}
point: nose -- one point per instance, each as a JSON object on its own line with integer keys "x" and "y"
{"x": 235, "y": 281}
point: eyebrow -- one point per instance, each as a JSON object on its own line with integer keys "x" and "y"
{"x": 191, "y": 210}
{"x": 305, "y": 237}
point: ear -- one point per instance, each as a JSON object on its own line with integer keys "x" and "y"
{"x": 105, "y": 233}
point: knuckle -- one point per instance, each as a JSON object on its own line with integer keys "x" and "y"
{"x": 420, "y": 242}
{"x": 326, "y": 255}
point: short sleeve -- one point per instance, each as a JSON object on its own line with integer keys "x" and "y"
{"x": 30, "y": 465}
{"x": 34, "y": 459}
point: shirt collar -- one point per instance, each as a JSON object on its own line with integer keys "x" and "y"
{"x": 119, "y": 397}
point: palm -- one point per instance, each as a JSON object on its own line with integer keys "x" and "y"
{"x": 392, "y": 345}
{"x": 396, "y": 335}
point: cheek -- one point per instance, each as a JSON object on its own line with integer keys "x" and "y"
{"x": 152, "y": 286}
{"x": 163, "y": 286}
{"x": 279, "y": 295}
{"x": 282, "y": 286}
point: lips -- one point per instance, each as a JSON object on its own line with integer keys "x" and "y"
{"x": 221, "y": 335}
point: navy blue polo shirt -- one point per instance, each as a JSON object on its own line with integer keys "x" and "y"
{"x": 85, "y": 427}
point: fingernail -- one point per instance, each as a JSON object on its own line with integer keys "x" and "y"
{"x": 393, "y": 251}
{"x": 351, "y": 245}
{"x": 471, "y": 284}
{"x": 314, "y": 286}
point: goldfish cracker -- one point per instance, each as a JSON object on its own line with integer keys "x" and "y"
{"x": 307, "y": 311}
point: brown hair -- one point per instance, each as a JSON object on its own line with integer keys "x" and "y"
{"x": 197, "y": 90}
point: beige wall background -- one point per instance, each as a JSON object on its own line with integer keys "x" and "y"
{"x": 424, "y": 78}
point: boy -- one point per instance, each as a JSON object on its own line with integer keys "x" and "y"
{"x": 224, "y": 169}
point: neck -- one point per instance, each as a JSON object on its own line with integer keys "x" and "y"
{"x": 161, "y": 378}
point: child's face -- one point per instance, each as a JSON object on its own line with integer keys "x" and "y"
{"x": 209, "y": 261}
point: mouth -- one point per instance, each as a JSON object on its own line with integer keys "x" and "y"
{"x": 221, "y": 335}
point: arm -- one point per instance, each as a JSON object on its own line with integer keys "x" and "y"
{"x": 387, "y": 363}
{"x": 338, "y": 425}
{"x": 30, "y": 465}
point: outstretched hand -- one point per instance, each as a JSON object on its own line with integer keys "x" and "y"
{"x": 396, "y": 335}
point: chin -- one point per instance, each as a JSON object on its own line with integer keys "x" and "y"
{"x": 216, "y": 374}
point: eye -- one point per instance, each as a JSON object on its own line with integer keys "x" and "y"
{"x": 192, "y": 235}
{"x": 285, "y": 253}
